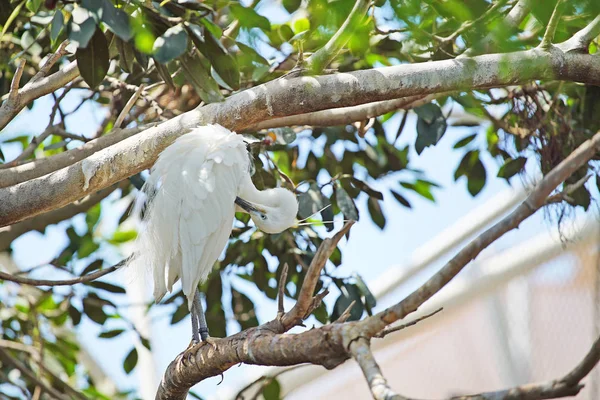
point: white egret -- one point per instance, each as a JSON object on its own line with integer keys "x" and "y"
{"x": 193, "y": 191}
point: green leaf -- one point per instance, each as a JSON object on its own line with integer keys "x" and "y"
{"x": 171, "y": 44}
{"x": 116, "y": 20}
{"x": 111, "y": 334}
{"x": 33, "y": 5}
{"x": 109, "y": 287}
{"x": 249, "y": 18}
{"x": 224, "y": 64}
{"x": 511, "y": 167}
{"x": 370, "y": 300}
{"x": 204, "y": 84}
{"x": 401, "y": 199}
{"x": 58, "y": 22}
{"x": 87, "y": 246}
{"x": 123, "y": 236}
{"x": 465, "y": 141}
{"x": 431, "y": 126}
{"x": 291, "y": 5}
{"x": 180, "y": 313}
{"x": 345, "y": 203}
{"x": 350, "y": 292}
{"x": 376, "y": 212}
{"x": 126, "y": 55}
{"x": 272, "y": 391}
{"x": 93, "y": 60}
{"x": 421, "y": 187}
{"x": 212, "y": 28}
{"x": 93, "y": 266}
{"x": 94, "y": 310}
{"x": 243, "y": 309}
{"x": 130, "y": 361}
{"x": 581, "y": 197}
{"x": 476, "y": 178}
{"x": 366, "y": 188}
{"x": 92, "y": 216}
{"x": 194, "y": 395}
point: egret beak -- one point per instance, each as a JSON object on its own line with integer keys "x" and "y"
{"x": 247, "y": 206}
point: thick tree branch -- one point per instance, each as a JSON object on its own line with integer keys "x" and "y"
{"x": 36, "y": 89}
{"x": 44, "y": 166}
{"x": 331, "y": 344}
{"x": 345, "y": 115}
{"x": 63, "y": 282}
{"x": 38, "y": 223}
{"x": 284, "y": 97}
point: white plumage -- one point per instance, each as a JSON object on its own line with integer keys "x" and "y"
{"x": 192, "y": 192}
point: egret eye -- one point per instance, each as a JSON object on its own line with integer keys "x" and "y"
{"x": 263, "y": 217}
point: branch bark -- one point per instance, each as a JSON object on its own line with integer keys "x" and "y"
{"x": 282, "y": 98}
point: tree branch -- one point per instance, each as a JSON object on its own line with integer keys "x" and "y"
{"x": 281, "y": 98}
{"x": 38, "y": 223}
{"x": 345, "y": 115}
{"x": 320, "y": 59}
{"x": 552, "y": 25}
{"x": 361, "y": 352}
{"x": 64, "y": 282}
{"x": 44, "y": 166}
{"x": 514, "y": 18}
{"x": 36, "y": 89}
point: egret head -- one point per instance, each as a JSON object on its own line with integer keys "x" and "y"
{"x": 276, "y": 211}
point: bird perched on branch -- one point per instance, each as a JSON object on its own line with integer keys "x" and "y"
{"x": 194, "y": 190}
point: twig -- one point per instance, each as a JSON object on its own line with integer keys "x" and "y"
{"x": 322, "y": 57}
{"x": 35, "y": 142}
{"x": 566, "y": 193}
{"x": 14, "y": 85}
{"x": 64, "y": 282}
{"x": 61, "y": 51}
{"x": 346, "y": 314}
{"x": 387, "y": 331}
{"x": 552, "y": 25}
{"x": 128, "y": 106}
{"x": 34, "y": 90}
{"x": 282, "y": 283}
{"x": 468, "y": 24}
{"x": 305, "y": 297}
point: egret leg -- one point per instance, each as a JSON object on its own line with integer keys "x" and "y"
{"x": 199, "y": 326}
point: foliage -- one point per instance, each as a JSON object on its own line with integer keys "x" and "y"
{"x": 187, "y": 52}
